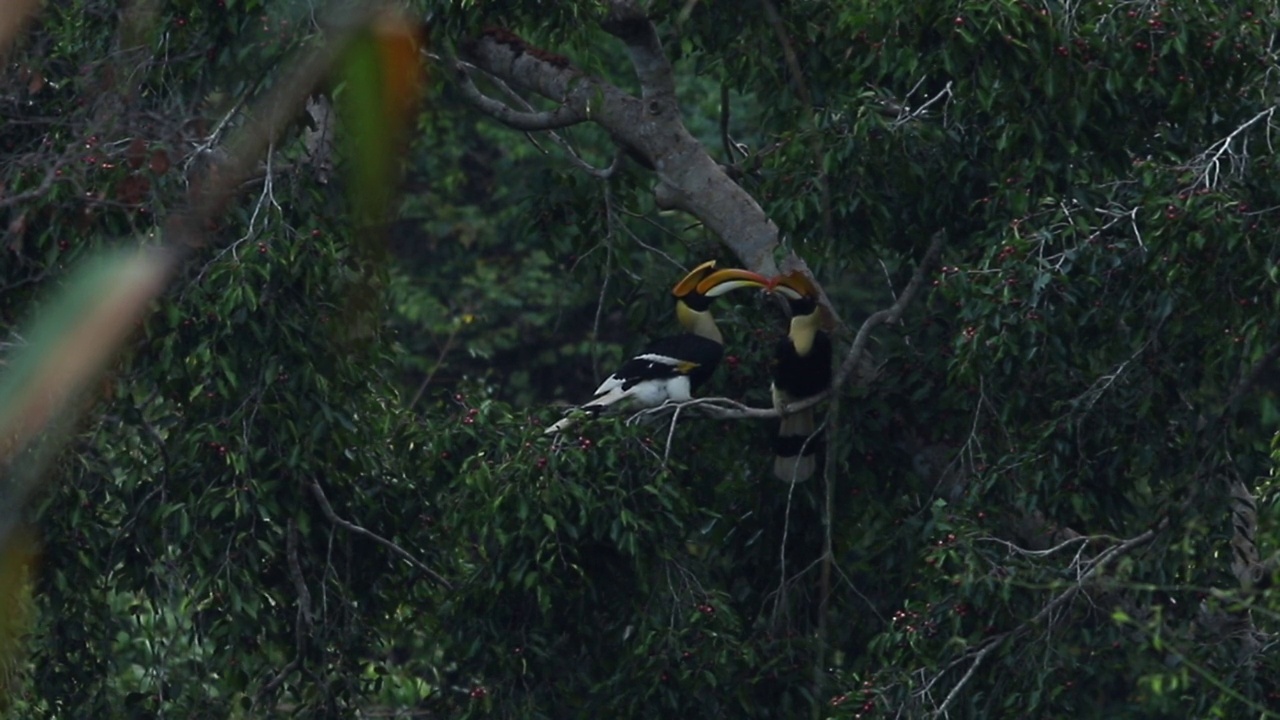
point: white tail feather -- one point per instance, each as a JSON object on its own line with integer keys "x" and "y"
{"x": 649, "y": 393}
{"x": 796, "y": 468}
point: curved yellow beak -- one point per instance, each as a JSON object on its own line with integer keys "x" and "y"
{"x": 795, "y": 285}
{"x": 689, "y": 283}
{"x": 723, "y": 281}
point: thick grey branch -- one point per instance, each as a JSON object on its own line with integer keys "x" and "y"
{"x": 562, "y": 116}
{"x": 691, "y": 180}
{"x": 627, "y": 22}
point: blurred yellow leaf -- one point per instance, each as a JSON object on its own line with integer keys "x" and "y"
{"x": 385, "y": 78}
{"x": 17, "y": 555}
{"x": 14, "y": 15}
{"x": 73, "y": 339}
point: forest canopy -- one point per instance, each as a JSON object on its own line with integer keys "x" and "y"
{"x": 291, "y": 291}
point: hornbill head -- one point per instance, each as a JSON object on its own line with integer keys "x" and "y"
{"x": 704, "y": 283}
{"x": 807, "y": 316}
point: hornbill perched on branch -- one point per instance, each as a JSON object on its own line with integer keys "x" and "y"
{"x": 801, "y": 369}
{"x": 671, "y": 368}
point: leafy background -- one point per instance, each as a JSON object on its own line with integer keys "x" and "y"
{"x": 1093, "y": 362}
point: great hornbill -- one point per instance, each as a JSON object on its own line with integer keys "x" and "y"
{"x": 801, "y": 369}
{"x": 671, "y": 368}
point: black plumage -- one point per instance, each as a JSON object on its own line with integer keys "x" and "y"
{"x": 696, "y": 357}
{"x": 801, "y": 369}
{"x": 672, "y": 368}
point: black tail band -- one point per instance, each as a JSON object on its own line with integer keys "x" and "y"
{"x": 795, "y": 445}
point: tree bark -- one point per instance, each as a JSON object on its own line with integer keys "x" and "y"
{"x": 649, "y": 126}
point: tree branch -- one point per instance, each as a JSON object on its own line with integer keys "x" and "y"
{"x": 650, "y": 127}
{"x": 574, "y": 157}
{"x": 41, "y": 189}
{"x": 1247, "y": 383}
{"x": 240, "y": 155}
{"x": 627, "y": 22}
{"x": 352, "y": 527}
{"x": 893, "y": 313}
{"x": 1094, "y": 567}
{"x": 562, "y": 116}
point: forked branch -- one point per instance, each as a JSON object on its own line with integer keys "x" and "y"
{"x": 562, "y": 116}
{"x": 648, "y": 127}
{"x": 976, "y": 656}
{"x": 327, "y": 509}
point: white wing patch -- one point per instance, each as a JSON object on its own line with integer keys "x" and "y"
{"x": 681, "y": 366}
{"x": 649, "y": 392}
{"x": 646, "y": 393}
{"x": 661, "y": 359}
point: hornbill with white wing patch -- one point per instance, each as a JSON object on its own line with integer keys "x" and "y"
{"x": 801, "y": 369}
{"x": 672, "y": 368}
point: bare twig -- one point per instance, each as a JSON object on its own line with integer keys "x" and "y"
{"x": 1207, "y": 164}
{"x": 268, "y": 120}
{"x": 352, "y": 527}
{"x": 1246, "y": 564}
{"x": 295, "y": 574}
{"x": 304, "y": 619}
{"x": 806, "y": 98}
{"x": 574, "y": 156}
{"x": 828, "y": 553}
{"x": 1013, "y": 548}
{"x": 907, "y": 115}
{"x": 439, "y": 363}
{"x": 1251, "y": 379}
{"x": 45, "y": 183}
{"x": 1091, "y": 569}
{"x": 893, "y": 313}
{"x": 729, "y": 158}
{"x": 563, "y": 116}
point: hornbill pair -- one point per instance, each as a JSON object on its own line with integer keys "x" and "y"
{"x": 671, "y": 368}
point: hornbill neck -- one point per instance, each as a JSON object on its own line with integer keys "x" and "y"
{"x": 698, "y": 322}
{"x": 804, "y": 328}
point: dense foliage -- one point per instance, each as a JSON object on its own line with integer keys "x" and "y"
{"x": 1043, "y": 505}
